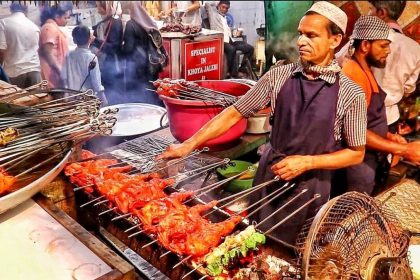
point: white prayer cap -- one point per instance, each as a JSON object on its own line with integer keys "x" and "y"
{"x": 331, "y": 12}
{"x": 371, "y": 28}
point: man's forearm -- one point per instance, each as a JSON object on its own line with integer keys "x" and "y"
{"x": 380, "y": 144}
{"x": 340, "y": 159}
{"x": 194, "y": 6}
{"x": 215, "y": 127}
{"x": 292, "y": 166}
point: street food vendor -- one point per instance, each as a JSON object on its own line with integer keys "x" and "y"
{"x": 314, "y": 107}
{"x": 192, "y": 11}
{"x": 369, "y": 47}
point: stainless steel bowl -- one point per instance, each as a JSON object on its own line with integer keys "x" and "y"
{"x": 133, "y": 120}
{"x": 15, "y": 198}
{"x": 137, "y": 119}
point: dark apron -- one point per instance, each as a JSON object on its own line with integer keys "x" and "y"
{"x": 363, "y": 177}
{"x": 303, "y": 124}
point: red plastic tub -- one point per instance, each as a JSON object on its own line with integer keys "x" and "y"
{"x": 187, "y": 117}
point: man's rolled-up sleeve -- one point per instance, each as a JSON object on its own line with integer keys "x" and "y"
{"x": 257, "y": 98}
{"x": 355, "y": 121}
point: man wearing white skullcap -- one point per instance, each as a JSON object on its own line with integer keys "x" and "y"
{"x": 369, "y": 47}
{"x": 314, "y": 109}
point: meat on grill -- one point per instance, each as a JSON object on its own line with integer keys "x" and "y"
{"x": 187, "y": 233}
{"x": 154, "y": 211}
{"x": 178, "y": 228}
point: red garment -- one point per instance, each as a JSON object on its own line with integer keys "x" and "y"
{"x": 51, "y": 33}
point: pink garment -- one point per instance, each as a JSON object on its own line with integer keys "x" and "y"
{"x": 51, "y": 33}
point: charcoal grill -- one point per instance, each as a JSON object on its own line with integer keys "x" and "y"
{"x": 123, "y": 226}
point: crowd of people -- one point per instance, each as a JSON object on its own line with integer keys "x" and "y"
{"x": 116, "y": 63}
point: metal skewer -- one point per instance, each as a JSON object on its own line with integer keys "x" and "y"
{"x": 121, "y": 216}
{"x": 107, "y": 211}
{"x": 131, "y": 228}
{"x": 148, "y": 244}
{"x": 182, "y": 261}
{"x": 275, "y": 195}
{"x": 292, "y": 214}
{"x": 92, "y": 201}
{"x": 282, "y": 207}
{"x": 192, "y": 271}
{"x": 100, "y": 202}
{"x": 165, "y": 254}
{"x": 40, "y": 164}
{"x": 217, "y": 184}
{"x": 82, "y": 187}
{"x": 136, "y": 233}
{"x": 244, "y": 193}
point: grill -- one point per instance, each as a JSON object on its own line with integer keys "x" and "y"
{"x": 193, "y": 172}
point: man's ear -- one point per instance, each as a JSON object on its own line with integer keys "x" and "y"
{"x": 365, "y": 46}
{"x": 382, "y": 13}
{"x": 335, "y": 41}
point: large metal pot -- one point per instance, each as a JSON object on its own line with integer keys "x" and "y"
{"x": 133, "y": 120}
{"x": 186, "y": 117}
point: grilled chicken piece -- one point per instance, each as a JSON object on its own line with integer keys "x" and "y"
{"x": 154, "y": 211}
{"x": 187, "y": 233}
{"x": 200, "y": 242}
{"x": 91, "y": 166}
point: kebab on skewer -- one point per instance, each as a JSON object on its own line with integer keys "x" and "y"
{"x": 154, "y": 211}
{"x": 187, "y": 90}
{"x": 234, "y": 246}
{"x": 179, "y": 228}
{"x": 188, "y": 233}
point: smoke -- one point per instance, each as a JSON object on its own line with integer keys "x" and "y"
{"x": 283, "y": 46}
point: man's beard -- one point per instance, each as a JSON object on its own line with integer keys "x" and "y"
{"x": 374, "y": 62}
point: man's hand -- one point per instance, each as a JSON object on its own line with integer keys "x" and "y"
{"x": 176, "y": 151}
{"x": 292, "y": 166}
{"x": 396, "y": 138}
{"x": 412, "y": 153}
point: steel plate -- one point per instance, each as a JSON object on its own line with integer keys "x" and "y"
{"x": 137, "y": 118}
{"x": 15, "y": 198}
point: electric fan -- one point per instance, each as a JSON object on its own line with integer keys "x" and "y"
{"x": 353, "y": 236}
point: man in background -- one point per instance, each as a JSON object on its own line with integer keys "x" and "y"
{"x": 400, "y": 75}
{"x": 218, "y": 21}
{"x": 369, "y": 47}
{"x": 19, "y": 43}
{"x": 401, "y": 72}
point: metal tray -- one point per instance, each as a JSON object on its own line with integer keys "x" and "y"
{"x": 15, "y": 198}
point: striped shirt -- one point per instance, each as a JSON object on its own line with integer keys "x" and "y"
{"x": 350, "y": 119}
